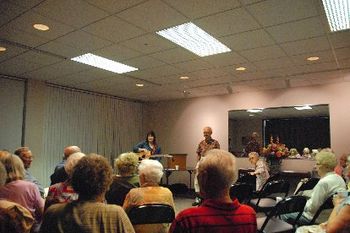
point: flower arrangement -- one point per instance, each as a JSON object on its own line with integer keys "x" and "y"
{"x": 275, "y": 150}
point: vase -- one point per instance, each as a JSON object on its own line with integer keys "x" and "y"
{"x": 274, "y": 165}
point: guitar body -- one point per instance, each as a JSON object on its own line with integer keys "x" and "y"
{"x": 144, "y": 155}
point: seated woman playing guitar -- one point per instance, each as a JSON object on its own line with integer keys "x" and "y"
{"x": 148, "y": 147}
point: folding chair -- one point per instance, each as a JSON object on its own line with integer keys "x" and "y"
{"x": 327, "y": 204}
{"x": 272, "y": 222}
{"x": 308, "y": 185}
{"x": 266, "y": 199}
{"x": 243, "y": 192}
{"x": 151, "y": 214}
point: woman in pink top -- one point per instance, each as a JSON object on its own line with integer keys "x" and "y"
{"x": 19, "y": 191}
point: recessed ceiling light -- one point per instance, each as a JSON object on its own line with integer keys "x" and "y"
{"x": 41, "y": 27}
{"x": 103, "y": 63}
{"x": 312, "y": 58}
{"x": 184, "y": 78}
{"x": 251, "y": 115}
{"x": 255, "y": 110}
{"x": 241, "y": 68}
{"x": 195, "y": 39}
{"x": 2, "y": 49}
{"x": 139, "y": 84}
{"x": 304, "y": 107}
{"x": 337, "y": 14}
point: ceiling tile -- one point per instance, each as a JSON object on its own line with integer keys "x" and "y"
{"x": 144, "y": 62}
{"x": 27, "y": 4}
{"x": 325, "y": 56}
{"x": 262, "y": 53}
{"x": 344, "y": 63}
{"x": 152, "y": 73}
{"x": 9, "y": 11}
{"x": 11, "y": 67}
{"x": 306, "y": 46}
{"x": 274, "y": 12}
{"x": 89, "y": 43}
{"x": 152, "y": 16}
{"x": 273, "y": 63}
{"x": 342, "y": 53}
{"x": 299, "y": 30}
{"x": 39, "y": 58}
{"x": 227, "y": 23}
{"x": 199, "y": 8}
{"x": 149, "y": 43}
{"x": 318, "y": 67}
{"x": 174, "y": 55}
{"x": 114, "y": 6}
{"x": 11, "y": 51}
{"x": 26, "y": 21}
{"x": 76, "y": 13}
{"x": 117, "y": 52}
{"x": 61, "y": 49}
{"x": 193, "y": 65}
{"x": 114, "y": 29}
{"x": 340, "y": 39}
{"x": 225, "y": 59}
{"x": 21, "y": 37}
{"x": 208, "y": 73}
{"x": 247, "y": 40}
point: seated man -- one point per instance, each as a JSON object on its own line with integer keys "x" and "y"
{"x": 218, "y": 213}
{"x": 91, "y": 178}
{"x": 329, "y": 184}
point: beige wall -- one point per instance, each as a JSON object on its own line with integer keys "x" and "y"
{"x": 179, "y": 123}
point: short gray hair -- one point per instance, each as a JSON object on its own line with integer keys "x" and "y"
{"x": 72, "y": 161}
{"x": 327, "y": 159}
{"x": 126, "y": 163}
{"x": 152, "y": 170}
{"x": 220, "y": 167}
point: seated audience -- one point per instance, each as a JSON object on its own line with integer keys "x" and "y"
{"x": 218, "y": 213}
{"x": 19, "y": 191}
{"x": 63, "y": 192}
{"x": 92, "y": 176}
{"x": 329, "y": 184}
{"x": 338, "y": 221}
{"x": 126, "y": 178}
{"x": 261, "y": 170}
{"x": 340, "y": 169}
{"x": 13, "y": 217}
{"x": 60, "y": 173}
{"x": 150, "y": 173}
{"x": 27, "y": 158}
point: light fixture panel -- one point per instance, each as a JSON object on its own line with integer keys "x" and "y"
{"x": 338, "y": 14}
{"x": 194, "y": 39}
{"x": 103, "y": 63}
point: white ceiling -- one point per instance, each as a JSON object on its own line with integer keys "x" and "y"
{"x": 272, "y": 38}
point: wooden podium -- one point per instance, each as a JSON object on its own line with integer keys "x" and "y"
{"x": 177, "y": 159}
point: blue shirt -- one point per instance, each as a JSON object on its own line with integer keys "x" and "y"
{"x": 145, "y": 145}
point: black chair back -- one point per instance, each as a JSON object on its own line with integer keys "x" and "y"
{"x": 308, "y": 185}
{"x": 328, "y": 204}
{"x": 272, "y": 187}
{"x": 151, "y": 214}
{"x": 292, "y": 204}
{"x": 242, "y": 191}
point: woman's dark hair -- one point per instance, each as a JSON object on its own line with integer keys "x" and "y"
{"x": 92, "y": 176}
{"x": 151, "y": 133}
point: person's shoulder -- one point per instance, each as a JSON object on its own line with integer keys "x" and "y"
{"x": 188, "y": 213}
{"x": 246, "y": 209}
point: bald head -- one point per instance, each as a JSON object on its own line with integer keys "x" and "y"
{"x": 70, "y": 150}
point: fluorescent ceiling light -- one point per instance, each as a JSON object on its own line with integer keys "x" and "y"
{"x": 255, "y": 110}
{"x": 338, "y": 14}
{"x": 305, "y": 107}
{"x": 103, "y": 63}
{"x": 193, "y": 38}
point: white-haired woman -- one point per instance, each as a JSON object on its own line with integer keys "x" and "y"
{"x": 150, "y": 173}
{"x": 63, "y": 192}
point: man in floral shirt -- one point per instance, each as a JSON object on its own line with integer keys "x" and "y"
{"x": 207, "y": 144}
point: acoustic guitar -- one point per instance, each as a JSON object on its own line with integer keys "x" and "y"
{"x": 144, "y": 155}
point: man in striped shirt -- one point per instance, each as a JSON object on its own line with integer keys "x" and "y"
{"x": 218, "y": 213}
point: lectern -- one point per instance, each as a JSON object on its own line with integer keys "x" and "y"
{"x": 177, "y": 159}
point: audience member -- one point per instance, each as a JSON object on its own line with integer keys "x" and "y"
{"x": 261, "y": 170}
{"x": 205, "y": 145}
{"x": 60, "y": 174}
{"x": 126, "y": 178}
{"x": 19, "y": 191}
{"x": 13, "y": 217}
{"x": 63, "y": 192}
{"x": 338, "y": 221}
{"x": 91, "y": 178}
{"x": 329, "y": 184}
{"x": 253, "y": 145}
{"x": 218, "y": 213}
{"x": 340, "y": 169}
{"x": 27, "y": 158}
{"x": 150, "y": 173}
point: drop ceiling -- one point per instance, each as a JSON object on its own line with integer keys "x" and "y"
{"x": 271, "y": 38}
